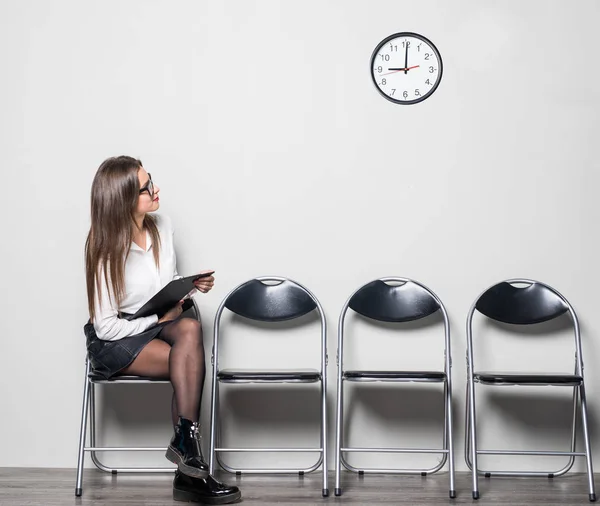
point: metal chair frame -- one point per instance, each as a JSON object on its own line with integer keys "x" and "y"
{"x": 215, "y": 432}
{"x": 447, "y": 450}
{"x": 576, "y": 381}
{"x": 89, "y": 407}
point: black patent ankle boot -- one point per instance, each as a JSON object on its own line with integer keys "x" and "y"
{"x": 208, "y": 491}
{"x": 184, "y": 449}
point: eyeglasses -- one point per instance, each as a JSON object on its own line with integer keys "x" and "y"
{"x": 148, "y": 187}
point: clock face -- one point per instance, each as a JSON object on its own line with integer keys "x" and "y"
{"x": 406, "y": 68}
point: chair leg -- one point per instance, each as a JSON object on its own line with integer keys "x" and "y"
{"x": 338, "y": 436}
{"x": 213, "y": 426}
{"x": 450, "y": 439}
{"x": 93, "y": 442}
{"x": 467, "y": 430}
{"x": 473, "y": 438}
{"x": 324, "y": 433}
{"x": 586, "y": 439}
{"x": 82, "y": 432}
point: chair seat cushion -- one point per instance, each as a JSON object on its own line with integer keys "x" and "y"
{"x": 421, "y": 376}
{"x": 517, "y": 378}
{"x": 98, "y": 378}
{"x": 269, "y": 376}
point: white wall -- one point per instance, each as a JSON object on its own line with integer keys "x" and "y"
{"x": 276, "y": 155}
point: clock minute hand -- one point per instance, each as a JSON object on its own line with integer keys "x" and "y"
{"x": 406, "y": 58}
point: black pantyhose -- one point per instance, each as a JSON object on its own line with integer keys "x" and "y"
{"x": 186, "y": 367}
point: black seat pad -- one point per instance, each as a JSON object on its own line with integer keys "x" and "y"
{"x": 97, "y": 378}
{"x": 395, "y": 375}
{"x": 516, "y": 378}
{"x": 270, "y": 375}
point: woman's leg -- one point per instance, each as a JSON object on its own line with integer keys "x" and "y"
{"x": 153, "y": 361}
{"x": 178, "y": 355}
{"x": 185, "y": 368}
{"x": 186, "y": 372}
{"x": 186, "y": 365}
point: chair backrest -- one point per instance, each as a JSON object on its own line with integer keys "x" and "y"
{"x": 534, "y": 303}
{"x": 394, "y": 299}
{"x": 509, "y": 302}
{"x": 401, "y": 303}
{"x": 283, "y": 301}
{"x": 270, "y": 299}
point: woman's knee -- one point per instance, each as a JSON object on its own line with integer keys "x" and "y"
{"x": 190, "y": 331}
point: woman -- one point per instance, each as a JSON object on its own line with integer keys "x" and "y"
{"x": 129, "y": 258}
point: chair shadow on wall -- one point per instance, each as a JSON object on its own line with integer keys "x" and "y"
{"x": 276, "y": 414}
{"x": 131, "y": 405}
{"x": 144, "y": 408}
{"x": 408, "y": 407}
{"x": 525, "y": 410}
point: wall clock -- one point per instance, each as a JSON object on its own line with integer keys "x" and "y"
{"x": 406, "y": 68}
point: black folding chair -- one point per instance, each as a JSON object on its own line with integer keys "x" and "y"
{"x": 509, "y": 302}
{"x": 395, "y": 300}
{"x": 260, "y": 300}
{"x": 89, "y": 405}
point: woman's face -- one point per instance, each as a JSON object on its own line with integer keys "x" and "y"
{"x": 148, "y": 200}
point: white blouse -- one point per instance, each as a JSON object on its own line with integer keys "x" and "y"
{"x": 142, "y": 281}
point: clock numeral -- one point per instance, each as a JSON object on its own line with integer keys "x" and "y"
{"x": 432, "y": 70}
{"x": 380, "y": 69}
{"x": 383, "y": 82}
{"x": 419, "y": 48}
{"x": 393, "y": 91}
{"x": 417, "y": 93}
{"x": 406, "y": 43}
{"x": 405, "y": 94}
{"x": 427, "y": 82}
{"x": 385, "y": 57}
{"x": 393, "y": 47}
{"x": 427, "y": 56}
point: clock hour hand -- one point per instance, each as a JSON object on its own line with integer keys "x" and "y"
{"x": 406, "y": 58}
{"x": 406, "y": 69}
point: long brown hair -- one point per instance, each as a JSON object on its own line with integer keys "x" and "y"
{"x": 115, "y": 192}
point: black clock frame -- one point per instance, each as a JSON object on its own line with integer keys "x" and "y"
{"x": 417, "y": 36}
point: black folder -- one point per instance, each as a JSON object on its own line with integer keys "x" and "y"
{"x": 169, "y": 296}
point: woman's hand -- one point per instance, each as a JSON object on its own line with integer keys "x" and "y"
{"x": 173, "y": 313}
{"x": 205, "y": 285}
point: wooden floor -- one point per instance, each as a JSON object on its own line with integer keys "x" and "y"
{"x": 54, "y": 487}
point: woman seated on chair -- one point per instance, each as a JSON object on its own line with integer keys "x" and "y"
{"x": 129, "y": 257}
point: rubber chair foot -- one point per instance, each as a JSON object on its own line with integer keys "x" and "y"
{"x": 452, "y": 494}
{"x": 592, "y": 497}
{"x": 338, "y": 492}
{"x": 79, "y": 491}
{"x": 325, "y": 492}
{"x": 475, "y": 495}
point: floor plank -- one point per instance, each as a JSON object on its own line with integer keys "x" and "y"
{"x": 56, "y": 487}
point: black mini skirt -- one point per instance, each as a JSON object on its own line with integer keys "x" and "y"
{"x": 109, "y": 357}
